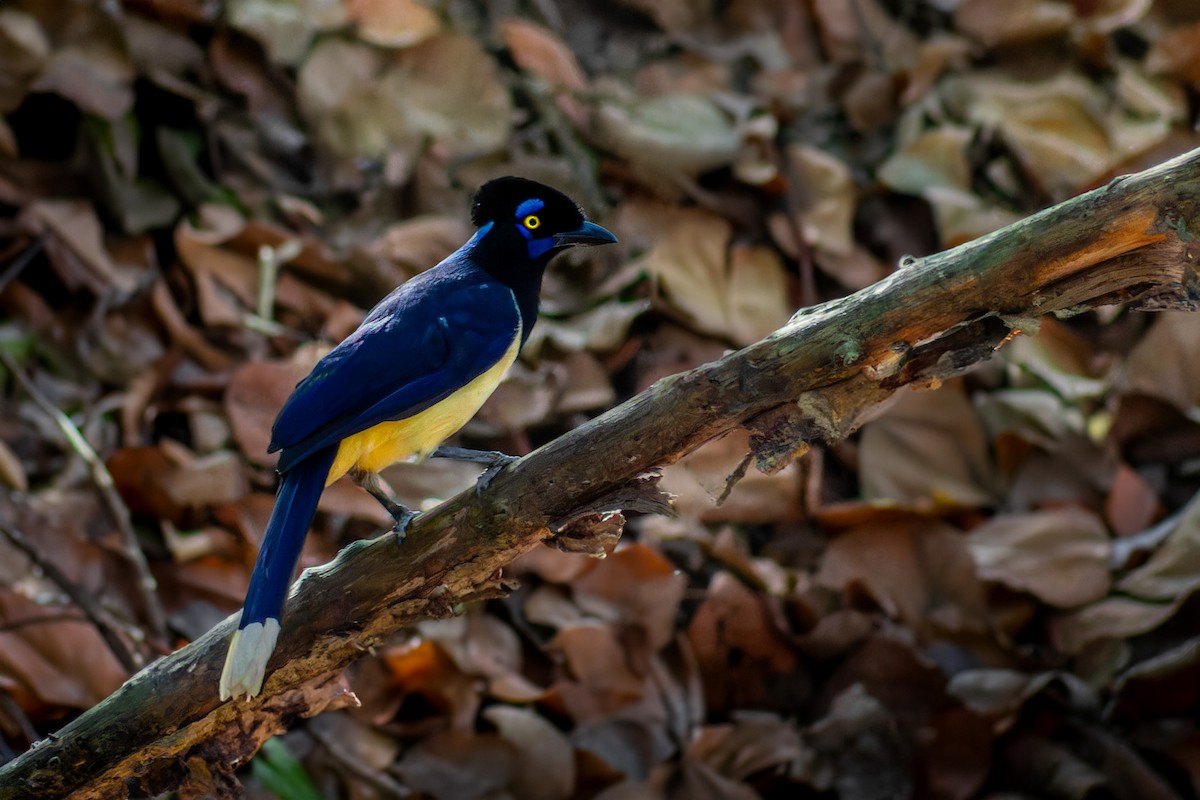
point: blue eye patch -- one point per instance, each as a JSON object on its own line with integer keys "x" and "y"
{"x": 539, "y": 246}
{"x": 531, "y": 206}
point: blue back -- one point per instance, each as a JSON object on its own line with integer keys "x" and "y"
{"x": 429, "y": 337}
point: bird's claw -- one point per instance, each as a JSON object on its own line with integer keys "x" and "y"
{"x": 493, "y": 460}
{"x": 489, "y": 474}
{"x": 499, "y": 461}
{"x": 403, "y": 519}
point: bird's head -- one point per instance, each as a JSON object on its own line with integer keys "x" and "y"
{"x": 523, "y": 224}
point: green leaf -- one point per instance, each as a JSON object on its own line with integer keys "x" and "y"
{"x": 281, "y": 774}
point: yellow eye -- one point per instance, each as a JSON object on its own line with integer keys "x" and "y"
{"x": 531, "y": 222}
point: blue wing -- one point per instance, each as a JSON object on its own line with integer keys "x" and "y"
{"x": 431, "y": 336}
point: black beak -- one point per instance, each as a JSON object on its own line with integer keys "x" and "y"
{"x": 587, "y": 233}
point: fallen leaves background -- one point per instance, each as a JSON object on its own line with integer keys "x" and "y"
{"x": 989, "y": 591}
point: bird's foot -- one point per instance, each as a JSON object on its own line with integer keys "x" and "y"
{"x": 402, "y": 514}
{"x": 489, "y": 474}
{"x": 404, "y": 517}
{"x": 494, "y": 460}
{"x": 489, "y": 458}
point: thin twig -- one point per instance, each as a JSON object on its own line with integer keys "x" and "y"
{"x": 18, "y": 264}
{"x": 10, "y": 709}
{"x": 270, "y": 261}
{"x": 578, "y": 155}
{"x": 129, "y": 660}
{"x": 379, "y": 779}
{"x": 735, "y": 477}
{"x": 155, "y": 616}
{"x": 1123, "y": 550}
{"x": 44, "y": 619}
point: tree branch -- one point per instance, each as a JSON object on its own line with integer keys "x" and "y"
{"x": 1129, "y": 241}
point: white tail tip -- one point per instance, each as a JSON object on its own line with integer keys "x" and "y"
{"x": 246, "y": 663}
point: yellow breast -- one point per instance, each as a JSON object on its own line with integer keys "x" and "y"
{"x": 417, "y": 436}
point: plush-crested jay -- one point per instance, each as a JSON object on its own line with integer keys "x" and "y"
{"x": 415, "y": 371}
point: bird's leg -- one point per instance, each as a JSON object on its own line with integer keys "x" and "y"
{"x": 494, "y": 460}
{"x": 403, "y": 515}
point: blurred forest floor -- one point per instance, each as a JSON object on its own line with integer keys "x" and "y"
{"x": 989, "y": 591}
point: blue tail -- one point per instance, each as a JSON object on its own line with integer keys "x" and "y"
{"x": 295, "y": 506}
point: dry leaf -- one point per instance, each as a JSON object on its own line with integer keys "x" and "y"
{"x": 545, "y": 760}
{"x": 338, "y": 90}
{"x": 863, "y": 739}
{"x": 423, "y": 668}
{"x": 699, "y": 479}
{"x": 1057, "y": 128}
{"x": 752, "y": 743}
{"x": 997, "y": 693}
{"x": 156, "y": 484}
{"x": 1161, "y": 686}
{"x": 1178, "y": 52}
{"x": 700, "y": 781}
{"x": 224, "y": 260}
{"x": 523, "y": 399}
{"x": 551, "y": 606}
{"x": 1150, "y": 594}
{"x": 937, "y": 157}
{"x": 1152, "y": 366}
{"x": 1110, "y": 619}
{"x": 600, "y": 329}
{"x": 1173, "y": 570}
{"x": 673, "y": 15}
{"x": 927, "y": 449}
{"x": 743, "y": 657}
{"x": 1132, "y": 503}
{"x": 929, "y": 584}
{"x": 736, "y": 292}
{"x": 959, "y": 756}
{"x": 459, "y": 764}
{"x": 92, "y": 69}
{"x": 551, "y": 565}
{"x": 630, "y": 790}
{"x": 634, "y": 586}
{"x": 1060, "y": 556}
{"x": 993, "y": 24}
{"x": 863, "y": 31}
{"x": 285, "y": 29}
{"x": 12, "y": 473}
{"x": 538, "y": 51}
{"x": 75, "y": 223}
{"x": 257, "y": 390}
{"x": 829, "y": 197}
{"x": 624, "y": 746}
{"x": 24, "y": 50}
{"x": 61, "y": 662}
{"x": 596, "y": 659}
{"x": 446, "y": 88}
{"x": 392, "y": 23}
{"x": 672, "y": 133}
{"x": 418, "y": 243}
{"x": 586, "y": 385}
{"x": 1108, "y": 16}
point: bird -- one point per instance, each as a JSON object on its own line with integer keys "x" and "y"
{"x": 417, "y": 368}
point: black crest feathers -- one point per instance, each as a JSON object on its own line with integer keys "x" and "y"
{"x": 497, "y": 200}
